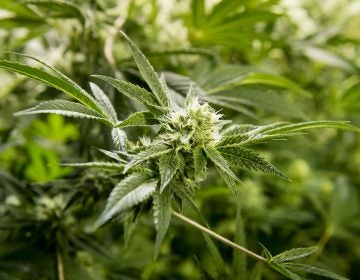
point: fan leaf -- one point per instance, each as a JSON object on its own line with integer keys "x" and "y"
{"x": 149, "y": 153}
{"x": 130, "y": 191}
{"x": 64, "y": 108}
{"x": 139, "y": 119}
{"x": 104, "y": 102}
{"x": 273, "y": 80}
{"x": 199, "y": 164}
{"x": 219, "y": 161}
{"x": 119, "y": 138}
{"x": 168, "y": 165}
{"x": 290, "y": 128}
{"x": 245, "y": 159}
{"x": 61, "y": 83}
{"x": 135, "y": 92}
{"x": 148, "y": 73}
{"x": 162, "y": 216}
{"x": 294, "y": 254}
{"x": 298, "y": 267}
{"x": 286, "y": 272}
{"x": 97, "y": 164}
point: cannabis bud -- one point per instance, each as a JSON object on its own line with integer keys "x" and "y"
{"x": 195, "y": 125}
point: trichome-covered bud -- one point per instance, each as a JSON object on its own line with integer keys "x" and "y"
{"x": 196, "y": 124}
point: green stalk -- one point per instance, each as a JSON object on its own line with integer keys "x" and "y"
{"x": 218, "y": 237}
{"x": 324, "y": 239}
{"x": 60, "y": 265}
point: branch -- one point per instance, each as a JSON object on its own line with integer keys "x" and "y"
{"x": 219, "y": 237}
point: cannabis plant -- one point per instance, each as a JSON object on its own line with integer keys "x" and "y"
{"x": 170, "y": 162}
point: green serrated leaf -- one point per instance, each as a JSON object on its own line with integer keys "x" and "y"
{"x": 286, "y": 272}
{"x": 273, "y": 80}
{"x": 226, "y": 75}
{"x": 104, "y": 102}
{"x": 135, "y": 92}
{"x": 259, "y": 97}
{"x": 139, "y": 119}
{"x": 119, "y": 138}
{"x": 199, "y": 163}
{"x": 184, "y": 194}
{"x": 168, "y": 165}
{"x": 97, "y": 164}
{"x": 215, "y": 156}
{"x": 294, "y": 254}
{"x": 64, "y": 108}
{"x": 181, "y": 163}
{"x": 112, "y": 155}
{"x": 276, "y": 131}
{"x": 182, "y": 84}
{"x": 238, "y": 129}
{"x": 130, "y": 191}
{"x": 290, "y": 128}
{"x": 229, "y": 180}
{"x": 232, "y": 140}
{"x": 298, "y": 267}
{"x": 264, "y": 128}
{"x": 150, "y": 153}
{"x": 231, "y": 105}
{"x": 131, "y": 220}
{"x": 165, "y": 88}
{"x": 61, "y": 83}
{"x": 162, "y": 216}
{"x": 148, "y": 73}
{"x": 245, "y": 159}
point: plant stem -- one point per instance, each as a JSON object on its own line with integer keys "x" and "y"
{"x": 324, "y": 239}
{"x": 60, "y": 265}
{"x": 219, "y": 237}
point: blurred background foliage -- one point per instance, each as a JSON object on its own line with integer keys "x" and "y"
{"x": 257, "y": 61}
